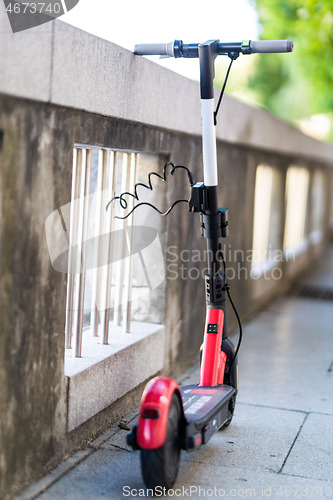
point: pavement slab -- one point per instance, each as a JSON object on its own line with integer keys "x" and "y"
{"x": 286, "y": 356}
{"x": 115, "y": 474}
{"x": 234, "y": 482}
{"x": 312, "y": 454}
{"x": 258, "y": 439}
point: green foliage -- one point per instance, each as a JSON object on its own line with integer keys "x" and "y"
{"x": 299, "y": 84}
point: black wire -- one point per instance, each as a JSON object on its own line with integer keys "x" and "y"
{"x": 222, "y": 92}
{"x": 227, "y": 288}
{"x": 239, "y": 325}
{"x": 124, "y": 203}
{"x": 149, "y": 205}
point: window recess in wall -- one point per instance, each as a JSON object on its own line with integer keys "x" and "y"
{"x": 295, "y": 233}
{"x": 268, "y": 213}
{"x": 331, "y": 201}
{"x": 107, "y": 283}
{"x": 318, "y": 202}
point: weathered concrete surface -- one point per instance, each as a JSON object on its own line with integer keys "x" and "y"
{"x": 32, "y": 392}
{"x": 25, "y": 61}
{"x": 277, "y": 445}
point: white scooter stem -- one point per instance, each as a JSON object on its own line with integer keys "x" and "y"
{"x": 209, "y": 142}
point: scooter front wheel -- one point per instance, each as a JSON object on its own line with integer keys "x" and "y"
{"x": 160, "y": 466}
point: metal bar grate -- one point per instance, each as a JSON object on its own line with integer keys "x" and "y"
{"x": 100, "y": 263}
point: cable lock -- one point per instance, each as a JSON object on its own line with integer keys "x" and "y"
{"x": 124, "y": 203}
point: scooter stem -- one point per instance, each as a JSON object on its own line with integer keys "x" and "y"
{"x": 211, "y": 218}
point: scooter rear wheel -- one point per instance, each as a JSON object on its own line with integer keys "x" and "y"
{"x": 160, "y": 466}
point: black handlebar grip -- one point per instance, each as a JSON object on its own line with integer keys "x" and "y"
{"x": 271, "y": 46}
{"x": 154, "y": 49}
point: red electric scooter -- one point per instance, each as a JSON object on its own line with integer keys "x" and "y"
{"x": 171, "y": 417}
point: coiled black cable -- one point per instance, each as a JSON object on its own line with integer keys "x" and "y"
{"x": 124, "y": 203}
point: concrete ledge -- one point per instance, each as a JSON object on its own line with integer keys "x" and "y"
{"x": 25, "y": 60}
{"x": 105, "y": 373}
{"x": 63, "y": 65}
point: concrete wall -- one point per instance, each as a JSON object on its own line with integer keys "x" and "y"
{"x": 59, "y": 86}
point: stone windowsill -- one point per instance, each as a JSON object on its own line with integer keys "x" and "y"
{"x": 105, "y": 373}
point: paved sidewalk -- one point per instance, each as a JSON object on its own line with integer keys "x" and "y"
{"x": 280, "y": 442}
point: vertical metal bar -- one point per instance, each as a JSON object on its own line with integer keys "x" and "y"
{"x": 82, "y": 274}
{"x": 98, "y": 240}
{"x": 126, "y": 313}
{"x": 105, "y": 316}
{"x": 76, "y": 182}
{"x": 121, "y": 263}
{"x": 77, "y": 247}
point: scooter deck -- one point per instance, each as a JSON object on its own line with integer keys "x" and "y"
{"x": 206, "y": 409}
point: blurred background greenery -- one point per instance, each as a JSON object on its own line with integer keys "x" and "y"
{"x": 296, "y": 87}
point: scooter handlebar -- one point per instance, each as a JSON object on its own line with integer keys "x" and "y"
{"x": 271, "y": 46}
{"x": 154, "y": 49}
{"x": 180, "y": 49}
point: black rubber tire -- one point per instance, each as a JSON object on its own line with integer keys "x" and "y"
{"x": 160, "y": 466}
